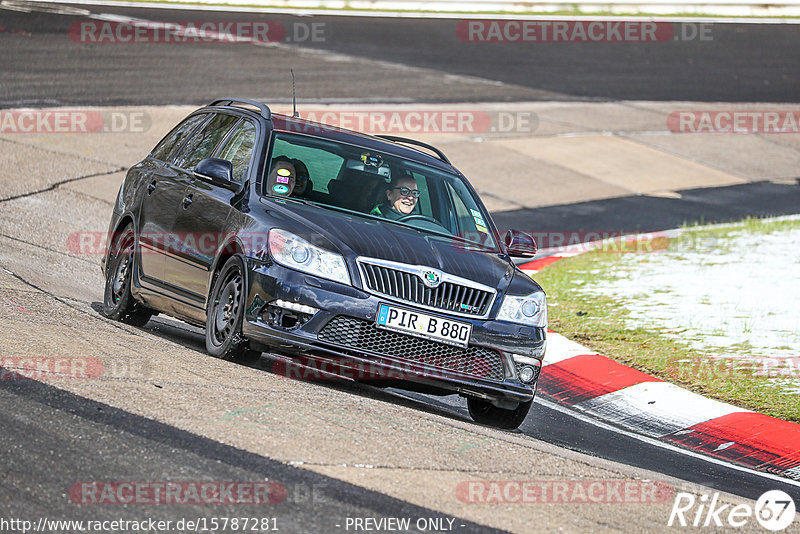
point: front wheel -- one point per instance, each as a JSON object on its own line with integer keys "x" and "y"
{"x": 486, "y": 413}
{"x": 225, "y": 314}
{"x": 118, "y": 303}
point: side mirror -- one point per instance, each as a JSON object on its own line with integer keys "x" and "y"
{"x": 520, "y": 244}
{"x": 217, "y": 172}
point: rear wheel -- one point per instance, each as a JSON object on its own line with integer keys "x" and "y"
{"x": 118, "y": 303}
{"x": 486, "y": 413}
{"x": 225, "y": 314}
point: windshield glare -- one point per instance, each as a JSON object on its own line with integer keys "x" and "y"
{"x": 375, "y": 184}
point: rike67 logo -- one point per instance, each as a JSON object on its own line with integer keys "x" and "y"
{"x": 774, "y": 510}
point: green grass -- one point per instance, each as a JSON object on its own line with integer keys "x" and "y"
{"x": 750, "y": 225}
{"x": 600, "y": 323}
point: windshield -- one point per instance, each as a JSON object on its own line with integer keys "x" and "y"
{"x": 377, "y": 185}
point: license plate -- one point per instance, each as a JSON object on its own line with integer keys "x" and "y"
{"x": 423, "y": 325}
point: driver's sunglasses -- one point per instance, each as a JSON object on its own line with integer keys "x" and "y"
{"x": 406, "y": 192}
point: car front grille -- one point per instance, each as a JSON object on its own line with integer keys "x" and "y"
{"x": 407, "y": 286}
{"x": 357, "y": 334}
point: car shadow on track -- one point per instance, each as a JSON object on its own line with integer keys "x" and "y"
{"x": 193, "y": 338}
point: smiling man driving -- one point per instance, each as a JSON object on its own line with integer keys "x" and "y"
{"x": 401, "y": 199}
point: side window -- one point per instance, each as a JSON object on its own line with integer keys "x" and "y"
{"x": 323, "y": 166}
{"x": 202, "y": 144}
{"x": 471, "y": 224}
{"x": 167, "y": 146}
{"x": 239, "y": 149}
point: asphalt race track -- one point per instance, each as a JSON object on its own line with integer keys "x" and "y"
{"x": 385, "y": 60}
{"x": 340, "y": 450}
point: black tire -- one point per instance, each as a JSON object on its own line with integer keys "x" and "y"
{"x": 225, "y": 314}
{"x": 486, "y": 413}
{"x": 118, "y": 303}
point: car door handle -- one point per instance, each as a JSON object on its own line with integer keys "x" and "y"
{"x": 151, "y": 187}
{"x": 187, "y": 201}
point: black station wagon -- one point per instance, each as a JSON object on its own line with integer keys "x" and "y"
{"x": 367, "y": 257}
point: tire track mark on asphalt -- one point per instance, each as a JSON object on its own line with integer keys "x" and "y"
{"x": 54, "y": 151}
{"x": 64, "y": 301}
{"x": 48, "y": 249}
{"x": 56, "y": 185}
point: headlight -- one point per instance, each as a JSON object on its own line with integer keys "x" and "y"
{"x": 296, "y": 253}
{"x": 530, "y": 310}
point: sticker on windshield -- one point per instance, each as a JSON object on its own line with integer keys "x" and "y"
{"x": 280, "y": 189}
{"x": 282, "y": 179}
{"x": 284, "y": 172}
{"x": 480, "y": 224}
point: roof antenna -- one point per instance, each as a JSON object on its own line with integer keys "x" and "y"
{"x": 294, "y": 100}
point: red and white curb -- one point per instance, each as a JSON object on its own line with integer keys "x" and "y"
{"x": 575, "y": 376}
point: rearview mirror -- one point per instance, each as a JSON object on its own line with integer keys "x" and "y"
{"x": 217, "y": 172}
{"x": 520, "y": 244}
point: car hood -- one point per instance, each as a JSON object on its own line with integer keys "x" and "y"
{"x": 356, "y": 236}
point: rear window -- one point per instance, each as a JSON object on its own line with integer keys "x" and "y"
{"x": 202, "y": 144}
{"x": 166, "y": 148}
{"x": 239, "y": 149}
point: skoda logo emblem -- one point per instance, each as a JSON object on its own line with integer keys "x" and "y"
{"x": 431, "y": 278}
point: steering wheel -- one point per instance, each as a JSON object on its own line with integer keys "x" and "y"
{"x": 413, "y": 216}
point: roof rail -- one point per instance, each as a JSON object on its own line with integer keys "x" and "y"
{"x": 407, "y": 141}
{"x": 265, "y": 111}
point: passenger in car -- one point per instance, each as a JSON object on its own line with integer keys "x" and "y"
{"x": 282, "y": 178}
{"x": 303, "y": 183}
{"x": 401, "y": 199}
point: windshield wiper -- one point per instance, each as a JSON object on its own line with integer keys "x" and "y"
{"x": 440, "y": 234}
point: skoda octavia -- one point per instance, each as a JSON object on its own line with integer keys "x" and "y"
{"x": 327, "y": 246}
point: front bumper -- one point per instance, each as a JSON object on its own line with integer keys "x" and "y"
{"x": 375, "y": 355}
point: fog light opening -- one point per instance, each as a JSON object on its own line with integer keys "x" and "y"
{"x": 528, "y": 368}
{"x": 287, "y": 315}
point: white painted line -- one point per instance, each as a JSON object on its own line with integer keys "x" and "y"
{"x": 301, "y": 11}
{"x": 559, "y": 348}
{"x": 794, "y": 472}
{"x": 664, "y": 445}
{"x": 656, "y": 408}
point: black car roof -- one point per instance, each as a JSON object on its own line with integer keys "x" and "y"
{"x": 298, "y": 125}
{"x": 284, "y": 123}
